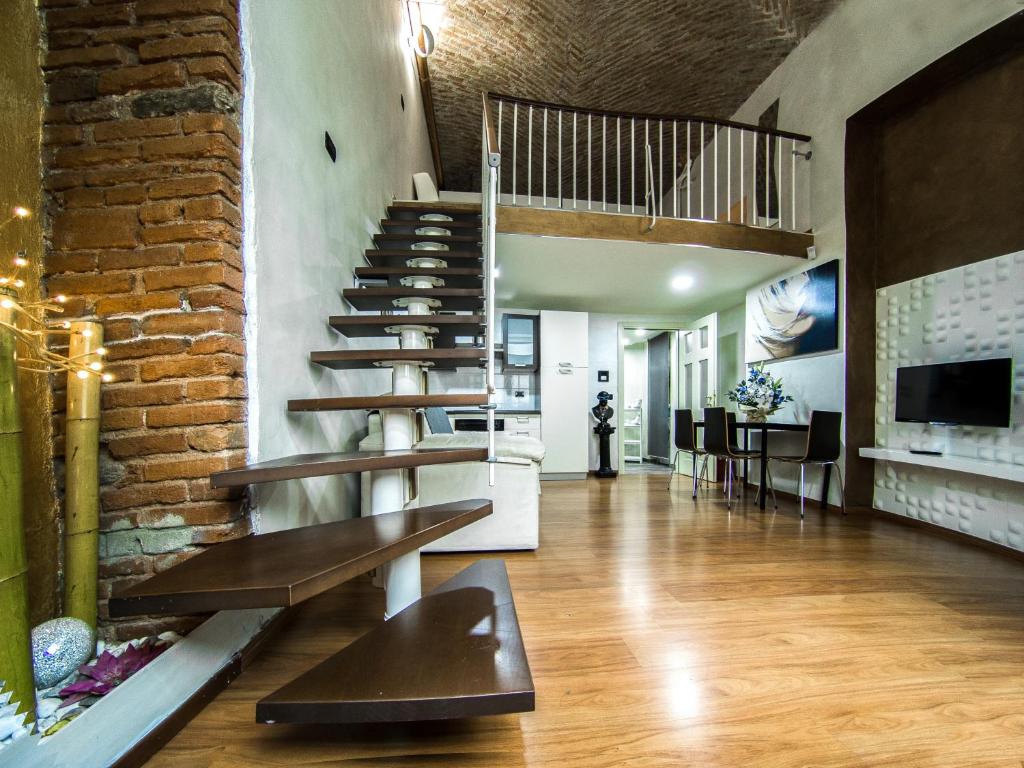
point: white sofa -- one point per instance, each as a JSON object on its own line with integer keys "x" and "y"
{"x": 514, "y": 523}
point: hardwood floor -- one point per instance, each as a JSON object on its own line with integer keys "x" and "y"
{"x": 663, "y": 632}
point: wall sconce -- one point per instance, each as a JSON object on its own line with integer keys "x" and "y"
{"x": 423, "y": 43}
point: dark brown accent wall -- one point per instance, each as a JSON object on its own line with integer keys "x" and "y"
{"x": 934, "y": 180}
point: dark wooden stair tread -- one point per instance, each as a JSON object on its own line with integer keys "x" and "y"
{"x": 397, "y": 257}
{"x": 415, "y": 208}
{"x": 383, "y": 298}
{"x": 348, "y": 359}
{"x": 459, "y": 277}
{"x": 355, "y": 326}
{"x": 457, "y": 652}
{"x": 456, "y": 242}
{"x": 385, "y": 401}
{"x": 456, "y": 227}
{"x": 286, "y": 567}
{"x": 323, "y": 464}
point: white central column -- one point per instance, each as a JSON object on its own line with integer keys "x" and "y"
{"x": 402, "y": 583}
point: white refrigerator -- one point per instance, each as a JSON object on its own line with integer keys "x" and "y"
{"x": 565, "y": 410}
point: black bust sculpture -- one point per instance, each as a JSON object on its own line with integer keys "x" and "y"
{"x": 603, "y": 413}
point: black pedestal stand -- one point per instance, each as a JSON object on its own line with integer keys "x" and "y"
{"x": 603, "y": 413}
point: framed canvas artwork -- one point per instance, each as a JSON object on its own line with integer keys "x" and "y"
{"x": 798, "y": 315}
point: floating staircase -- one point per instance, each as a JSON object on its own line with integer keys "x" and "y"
{"x": 454, "y": 653}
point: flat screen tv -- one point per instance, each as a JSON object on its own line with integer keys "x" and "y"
{"x": 976, "y": 393}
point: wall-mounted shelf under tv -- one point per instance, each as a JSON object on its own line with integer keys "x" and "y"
{"x": 972, "y": 466}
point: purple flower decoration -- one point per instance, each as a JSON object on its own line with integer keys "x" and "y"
{"x": 109, "y": 671}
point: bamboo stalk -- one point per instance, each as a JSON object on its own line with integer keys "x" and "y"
{"x": 81, "y": 461}
{"x": 15, "y": 646}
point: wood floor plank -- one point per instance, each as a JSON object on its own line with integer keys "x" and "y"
{"x": 668, "y": 632}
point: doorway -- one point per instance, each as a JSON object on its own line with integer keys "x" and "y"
{"x": 647, "y": 397}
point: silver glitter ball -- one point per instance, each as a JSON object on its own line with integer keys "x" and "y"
{"x": 59, "y": 647}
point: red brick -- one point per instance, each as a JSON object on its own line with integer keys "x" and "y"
{"x": 132, "y": 565}
{"x": 158, "y": 213}
{"x": 85, "y": 156}
{"x": 193, "y": 230}
{"x": 219, "y": 438}
{"x": 127, "y": 195}
{"x": 182, "y": 47}
{"x": 194, "y": 146}
{"x": 134, "y": 395}
{"x": 178, "y": 469}
{"x": 90, "y": 56}
{"x": 218, "y": 252}
{"x": 122, "y": 418}
{"x": 89, "y": 228}
{"x": 163, "y": 255}
{"x": 132, "y": 304}
{"x": 192, "y": 323}
{"x": 88, "y": 17}
{"x": 204, "y": 298}
{"x": 57, "y": 263}
{"x": 98, "y": 110}
{"x": 61, "y": 134}
{"x": 203, "y": 513}
{"x": 146, "y": 347}
{"x": 215, "y": 68}
{"x": 212, "y": 344}
{"x": 166, "y": 74}
{"x": 205, "y": 208}
{"x": 119, "y": 330}
{"x": 89, "y": 284}
{"x": 194, "y": 414}
{"x": 212, "y": 123}
{"x": 189, "y": 367}
{"x": 200, "y": 490}
{"x": 134, "y": 129}
{"x": 192, "y": 186}
{"x": 83, "y": 197}
{"x": 147, "y": 444}
{"x": 215, "y": 389}
{"x": 188, "y": 276}
{"x": 132, "y": 174}
{"x": 168, "y": 9}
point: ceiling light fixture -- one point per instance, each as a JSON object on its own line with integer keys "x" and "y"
{"x": 682, "y": 283}
{"x": 639, "y": 331}
{"x": 497, "y": 272}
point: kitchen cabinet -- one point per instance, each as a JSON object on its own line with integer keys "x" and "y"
{"x": 521, "y": 342}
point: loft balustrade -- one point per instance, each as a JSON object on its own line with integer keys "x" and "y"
{"x": 657, "y": 166}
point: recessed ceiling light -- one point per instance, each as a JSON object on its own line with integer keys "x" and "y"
{"x": 640, "y": 331}
{"x": 682, "y": 283}
{"x": 497, "y": 271}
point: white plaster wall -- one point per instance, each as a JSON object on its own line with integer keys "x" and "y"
{"x": 968, "y": 313}
{"x": 312, "y": 66}
{"x": 862, "y": 50}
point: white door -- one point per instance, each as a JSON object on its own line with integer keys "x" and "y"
{"x": 565, "y": 422}
{"x": 563, "y": 339}
{"x": 698, "y": 373}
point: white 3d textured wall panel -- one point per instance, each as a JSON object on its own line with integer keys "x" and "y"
{"x": 968, "y": 313}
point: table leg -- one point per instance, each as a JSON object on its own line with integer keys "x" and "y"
{"x": 824, "y": 486}
{"x": 762, "y": 494}
{"x": 746, "y": 462}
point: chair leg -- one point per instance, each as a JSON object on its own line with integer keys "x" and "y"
{"x": 693, "y": 474}
{"x": 702, "y": 478}
{"x": 802, "y": 472}
{"x": 728, "y": 481}
{"x": 842, "y": 487}
{"x": 672, "y": 471}
{"x": 771, "y": 485}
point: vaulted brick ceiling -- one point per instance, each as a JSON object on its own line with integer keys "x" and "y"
{"x": 700, "y": 57}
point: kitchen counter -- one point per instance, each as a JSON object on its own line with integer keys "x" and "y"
{"x": 500, "y": 410}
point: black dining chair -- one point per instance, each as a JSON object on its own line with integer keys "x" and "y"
{"x": 718, "y": 442}
{"x": 686, "y": 442}
{"x": 823, "y": 448}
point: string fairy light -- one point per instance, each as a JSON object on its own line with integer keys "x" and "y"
{"x": 34, "y": 331}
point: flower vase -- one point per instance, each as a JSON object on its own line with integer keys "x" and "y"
{"x": 756, "y": 416}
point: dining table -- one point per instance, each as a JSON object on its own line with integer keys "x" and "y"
{"x": 764, "y": 428}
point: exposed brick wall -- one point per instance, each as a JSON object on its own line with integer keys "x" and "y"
{"x": 142, "y": 167}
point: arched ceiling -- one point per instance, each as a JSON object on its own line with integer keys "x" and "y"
{"x": 701, "y": 57}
